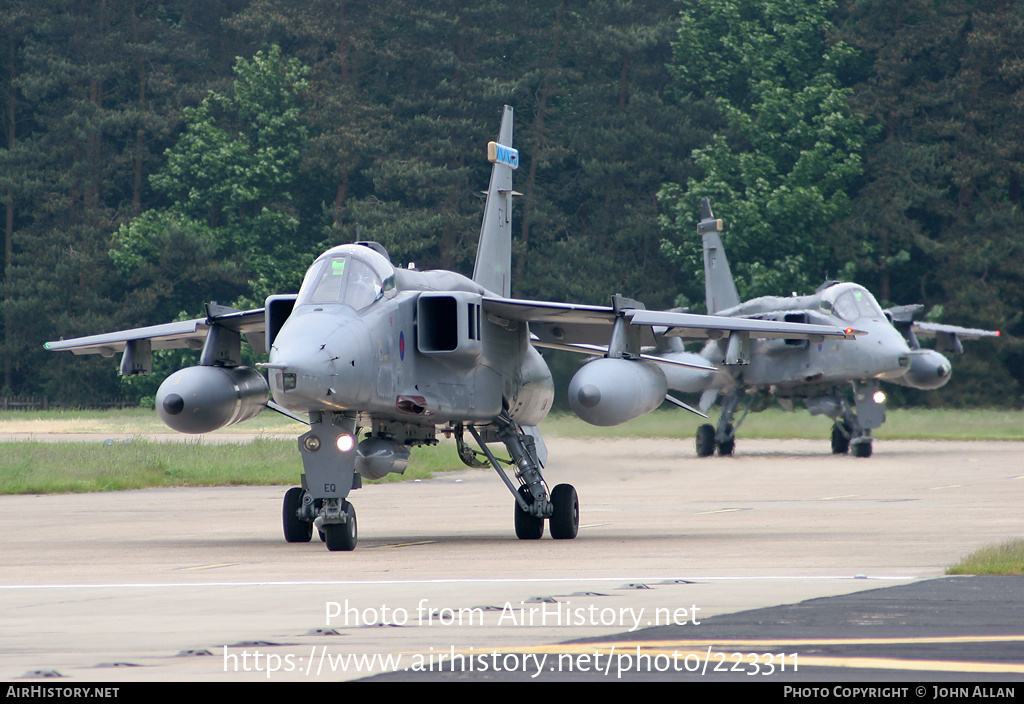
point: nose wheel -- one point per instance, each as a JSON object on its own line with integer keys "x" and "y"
{"x": 296, "y": 528}
{"x": 342, "y": 536}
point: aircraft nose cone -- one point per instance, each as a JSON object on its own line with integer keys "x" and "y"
{"x": 892, "y": 354}
{"x": 320, "y": 359}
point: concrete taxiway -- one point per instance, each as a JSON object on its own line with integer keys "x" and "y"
{"x": 198, "y": 584}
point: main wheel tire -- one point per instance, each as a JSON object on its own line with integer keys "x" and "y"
{"x": 528, "y": 526}
{"x": 564, "y": 523}
{"x": 705, "y": 440}
{"x": 342, "y": 536}
{"x": 840, "y": 438}
{"x": 296, "y": 530}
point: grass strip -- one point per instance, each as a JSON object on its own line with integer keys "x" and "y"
{"x": 1003, "y": 559}
{"x": 75, "y": 467}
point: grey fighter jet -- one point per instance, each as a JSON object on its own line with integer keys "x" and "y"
{"x": 402, "y": 356}
{"x": 886, "y": 349}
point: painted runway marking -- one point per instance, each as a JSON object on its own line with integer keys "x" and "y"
{"x": 467, "y": 580}
{"x": 706, "y": 649}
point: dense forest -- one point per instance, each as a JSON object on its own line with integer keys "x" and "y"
{"x": 159, "y": 154}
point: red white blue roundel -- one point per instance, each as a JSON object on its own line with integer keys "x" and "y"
{"x": 401, "y": 346}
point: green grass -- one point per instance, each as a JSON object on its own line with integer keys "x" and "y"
{"x": 1003, "y": 559}
{"x": 72, "y": 467}
{"x": 901, "y": 424}
{"x": 128, "y": 420}
{"x": 37, "y": 467}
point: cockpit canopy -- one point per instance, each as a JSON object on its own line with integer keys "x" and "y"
{"x": 849, "y": 302}
{"x": 351, "y": 274}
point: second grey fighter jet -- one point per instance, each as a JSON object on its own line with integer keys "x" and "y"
{"x": 381, "y": 360}
{"x": 886, "y": 349}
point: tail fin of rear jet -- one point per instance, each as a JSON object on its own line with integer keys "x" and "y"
{"x": 719, "y": 287}
{"x": 493, "y": 267}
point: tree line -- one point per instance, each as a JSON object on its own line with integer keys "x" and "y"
{"x": 159, "y": 155}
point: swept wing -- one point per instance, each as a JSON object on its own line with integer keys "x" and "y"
{"x": 186, "y": 333}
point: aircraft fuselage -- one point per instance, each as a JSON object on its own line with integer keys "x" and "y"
{"x": 415, "y": 347}
{"x": 800, "y": 367}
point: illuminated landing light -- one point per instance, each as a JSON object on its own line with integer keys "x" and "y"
{"x": 346, "y": 443}
{"x": 879, "y": 397}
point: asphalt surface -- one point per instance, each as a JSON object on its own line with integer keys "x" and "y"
{"x": 941, "y": 631}
{"x": 783, "y": 556}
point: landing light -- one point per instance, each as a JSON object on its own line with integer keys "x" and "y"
{"x": 879, "y": 397}
{"x": 346, "y": 443}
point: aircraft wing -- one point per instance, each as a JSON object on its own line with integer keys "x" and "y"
{"x": 713, "y": 327}
{"x": 548, "y": 311}
{"x": 948, "y": 337}
{"x": 186, "y": 333}
{"x": 566, "y": 324}
{"x": 936, "y": 329}
{"x": 552, "y": 323}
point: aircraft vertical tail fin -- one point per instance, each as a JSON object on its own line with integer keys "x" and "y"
{"x": 493, "y": 267}
{"x": 719, "y": 286}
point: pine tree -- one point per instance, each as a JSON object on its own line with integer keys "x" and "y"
{"x": 791, "y": 147}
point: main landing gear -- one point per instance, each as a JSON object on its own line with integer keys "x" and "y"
{"x": 533, "y": 503}
{"x": 722, "y": 438}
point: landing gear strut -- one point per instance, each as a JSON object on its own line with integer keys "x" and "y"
{"x": 328, "y": 461}
{"x": 533, "y": 502}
